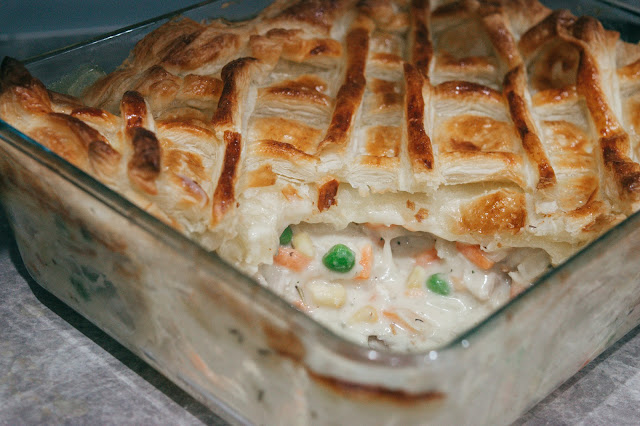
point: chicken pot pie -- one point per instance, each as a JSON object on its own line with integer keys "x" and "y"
{"x": 397, "y": 169}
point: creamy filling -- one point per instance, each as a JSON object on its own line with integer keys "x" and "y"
{"x": 406, "y": 291}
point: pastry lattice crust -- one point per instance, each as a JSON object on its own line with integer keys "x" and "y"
{"x": 501, "y": 123}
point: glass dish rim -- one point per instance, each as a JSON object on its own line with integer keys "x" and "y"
{"x": 116, "y": 33}
{"x": 250, "y": 287}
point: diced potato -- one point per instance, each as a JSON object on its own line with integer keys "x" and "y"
{"x": 365, "y": 314}
{"x": 417, "y": 278}
{"x": 301, "y": 241}
{"x": 332, "y": 295}
{"x": 480, "y": 285}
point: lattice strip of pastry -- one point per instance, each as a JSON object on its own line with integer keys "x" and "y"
{"x": 558, "y": 150}
{"x": 473, "y": 133}
{"x": 572, "y": 67}
{"x": 389, "y": 93}
{"x": 376, "y": 146}
{"x": 379, "y": 152}
{"x": 629, "y": 80}
{"x": 293, "y": 108}
{"x": 564, "y": 125}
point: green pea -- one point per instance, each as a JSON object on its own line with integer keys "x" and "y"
{"x": 439, "y": 285}
{"x": 339, "y": 258}
{"x": 285, "y": 237}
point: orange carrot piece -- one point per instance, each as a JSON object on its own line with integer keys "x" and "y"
{"x": 198, "y": 363}
{"x": 475, "y": 255}
{"x": 366, "y": 259}
{"x": 292, "y": 259}
{"x": 414, "y": 292}
{"x": 516, "y": 289}
{"x": 374, "y": 226}
{"x": 397, "y": 320}
{"x": 299, "y": 304}
{"x": 426, "y": 257}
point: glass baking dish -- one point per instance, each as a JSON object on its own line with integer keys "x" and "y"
{"x": 246, "y": 353}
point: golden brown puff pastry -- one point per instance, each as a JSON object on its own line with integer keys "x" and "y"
{"x": 499, "y": 123}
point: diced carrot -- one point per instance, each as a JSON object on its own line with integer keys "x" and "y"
{"x": 414, "y": 292}
{"x": 374, "y": 226}
{"x": 292, "y": 259}
{"x": 397, "y": 319}
{"x": 426, "y": 257}
{"x": 516, "y": 289}
{"x": 299, "y": 304}
{"x": 366, "y": 259}
{"x": 198, "y": 363}
{"x": 475, "y": 255}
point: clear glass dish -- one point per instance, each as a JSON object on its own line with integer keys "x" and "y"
{"x": 247, "y": 354}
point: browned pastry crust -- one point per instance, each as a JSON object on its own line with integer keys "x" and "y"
{"x": 352, "y": 90}
{"x": 418, "y": 143}
{"x": 493, "y": 122}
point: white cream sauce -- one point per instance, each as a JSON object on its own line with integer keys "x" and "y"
{"x": 390, "y": 309}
